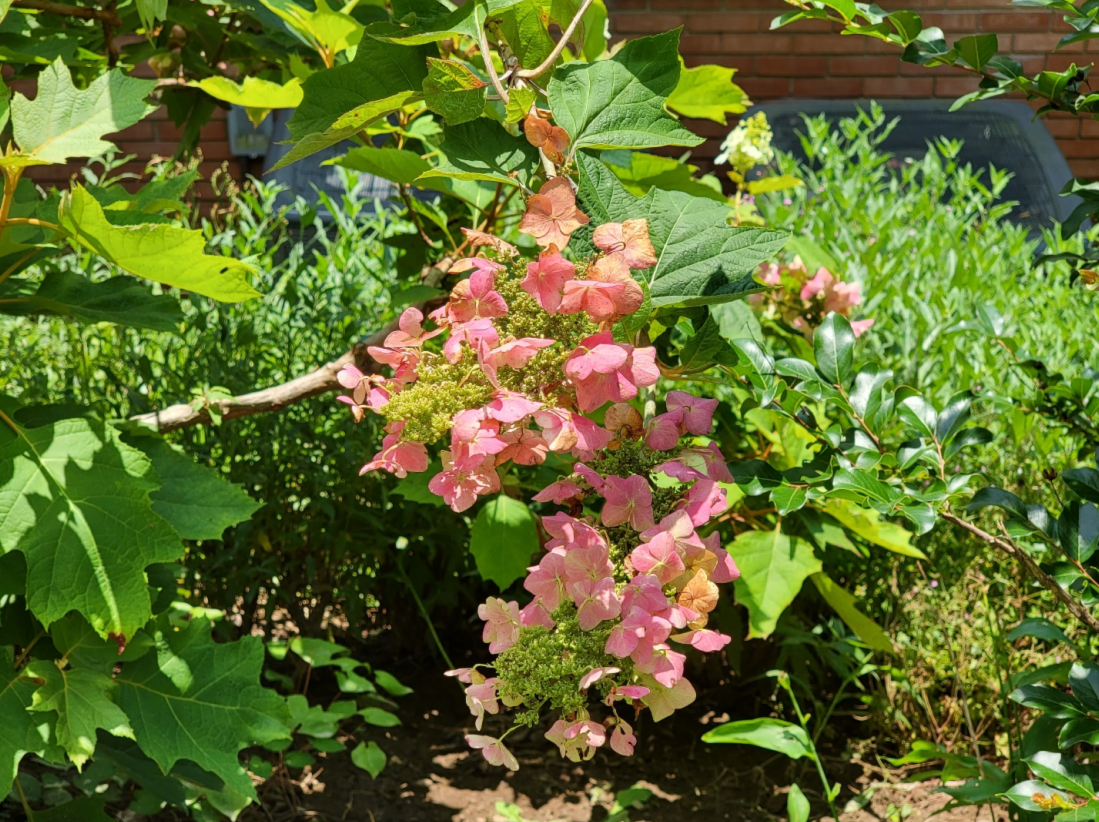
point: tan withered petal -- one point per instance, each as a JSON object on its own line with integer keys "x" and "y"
{"x": 700, "y": 595}
{"x": 624, "y": 419}
{"x": 552, "y": 215}
{"x": 630, "y": 239}
{"x": 703, "y": 561}
{"x": 553, "y": 140}
{"x": 479, "y": 238}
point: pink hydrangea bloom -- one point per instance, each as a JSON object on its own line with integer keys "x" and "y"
{"x": 501, "y": 623}
{"x": 660, "y": 559}
{"x": 596, "y": 674}
{"x": 588, "y": 562}
{"x": 548, "y": 578}
{"x": 545, "y": 279}
{"x": 525, "y": 447}
{"x": 476, "y": 298}
{"x": 662, "y": 432}
{"x": 463, "y": 479}
{"x": 398, "y": 457}
{"x": 558, "y": 492}
{"x": 705, "y": 500}
{"x": 698, "y": 413}
{"x": 472, "y": 334}
{"x": 476, "y": 435}
{"x": 589, "y": 475}
{"x": 493, "y": 751}
{"x": 623, "y": 739}
{"x": 628, "y": 240}
{"x": 645, "y": 592}
{"x": 605, "y": 371}
{"x": 664, "y": 664}
{"x": 535, "y": 614}
{"x": 509, "y": 406}
{"x": 677, "y": 470}
{"x": 678, "y": 531}
{"x": 595, "y": 602}
{"x": 515, "y": 354}
{"x": 663, "y": 702}
{"x": 861, "y": 326}
{"x": 410, "y": 333}
{"x": 708, "y": 459}
{"x": 705, "y": 640}
{"x": 481, "y": 699}
{"x": 629, "y": 500}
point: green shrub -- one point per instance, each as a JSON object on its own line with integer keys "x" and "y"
{"x": 326, "y": 542}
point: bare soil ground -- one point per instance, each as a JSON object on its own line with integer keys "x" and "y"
{"x": 433, "y": 777}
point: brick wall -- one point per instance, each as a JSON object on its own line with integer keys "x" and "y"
{"x": 812, "y": 59}
{"x": 808, "y": 59}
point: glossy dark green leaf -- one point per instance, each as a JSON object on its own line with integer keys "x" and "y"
{"x": 1048, "y": 699}
{"x": 1084, "y": 482}
{"x": 1063, "y": 772}
{"x": 1078, "y": 530}
{"x": 834, "y": 347}
{"x": 999, "y": 498}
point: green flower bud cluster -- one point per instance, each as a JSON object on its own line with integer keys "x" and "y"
{"x": 525, "y": 318}
{"x": 544, "y": 667}
{"x": 428, "y": 406}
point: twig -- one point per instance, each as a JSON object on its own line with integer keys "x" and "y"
{"x": 549, "y": 61}
{"x": 278, "y": 397}
{"x": 1076, "y": 608}
{"x": 108, "y": 16}
{"x": 482, "y": 41}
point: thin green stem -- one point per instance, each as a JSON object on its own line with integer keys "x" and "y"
{"x": 427, "y": 618}
{"x": 788, "y": 685}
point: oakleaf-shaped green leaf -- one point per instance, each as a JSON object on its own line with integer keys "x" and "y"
{"x": 465, "y": 21}
{"x": 773, "y": 567}
{"x": 162, "y": 253}
{"x": 398, "y": 165}
{"x": 700, "y": 258}
{"x": 66, "y": 293}
{"x": 194, "y": 499}
{"x": 483, "y": 150}
{"x": 258, "y": 96}
{"x": 708, "y": 92}
{"x": 21, "y": 732}
{"x": 63, "y": 121}
{"x": 74, "y": 499}
{"x": 339, "y": 102}
{"x": 221, "y": 709}
{"x": 83, "y": 701}
{"x": 619, "y": 103}
{"x": 453, "y": 91}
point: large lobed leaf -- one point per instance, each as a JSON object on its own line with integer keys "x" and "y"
{"x": 700, "y": 258}
{"x": 63, "y": 121}
{"x": 74, "y": 499}
{"x": 21, "y": 732}
{"x": 339, "y": 102}
{"x": 198, "y": 700}
{"x": 773, "y": 567}
{"x": 620, "y": 102}
{"x": 161, "y": 253}
{"x": 66, "y": 293}
{"x": 483, "y": 150}
{"x": 432, "y": 21}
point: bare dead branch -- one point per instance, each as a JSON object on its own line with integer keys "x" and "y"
{"x": 108, "y": 16}
{"x": 278, "y": 397}
{"x": 1075, "y": 607}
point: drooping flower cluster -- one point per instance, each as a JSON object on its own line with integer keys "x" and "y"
{"x": 803, "y": 300}
{"x": 522, "y": 359}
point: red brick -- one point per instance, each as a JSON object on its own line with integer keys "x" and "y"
{"x": 739, "y": 22}
{"x": 1044, "y": 42}
{"x": 1083, "y": 168}
{"x": 1060, "y": 62}
{"x": 791, "y": 66}
{"x": 764, "y": 88}
{"x": 864, "y": 65}
{"x": 829, "y": 44}
{"x": 927, "y": 71}
{"x": 647, "y": 23}
{"x": 215, "y": 130}
{"x": 813, "y": 26}
{"x": 615, "y": 6}
{"x": 876, "y": 46}
{"x": 1070, "y": 129}
{"x": 954, "y": 86}
{"x": 1031, "y": 21}
{"x": 951, "y": 21}
{"x": 1081, "y": 149}
{"x": 886, "y": 87}
{"x": 827, "y": 87}
{"x": 699, "y": 43}
{"x": 762, "y": 43}
{"x": 924, "y": 4}
{"x": 1088, "y": 128}
{"x": 694, "y": 5}
{"x": 139, "y": 131}
{"x": 975, "y": 4}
